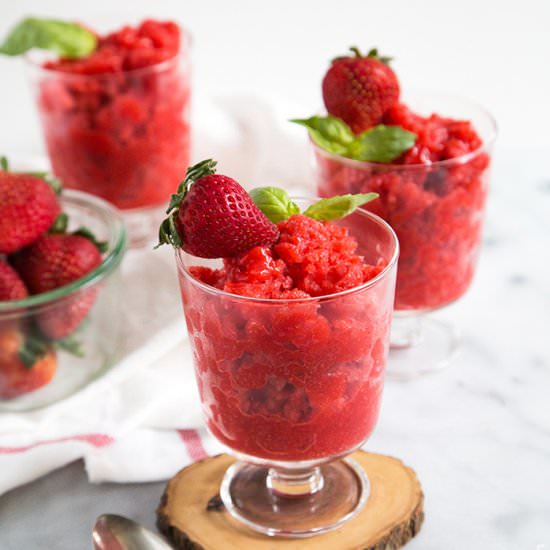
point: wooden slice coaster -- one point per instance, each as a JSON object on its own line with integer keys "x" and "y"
{"x": 192, "y": 516}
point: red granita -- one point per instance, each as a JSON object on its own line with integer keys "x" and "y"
{"x": 311, "y": 258}
{"x": 298, "y": 379}
{"x": 433, "y": 196}
{"x": 116, "y": 123}
{"x": 437, "y": 138}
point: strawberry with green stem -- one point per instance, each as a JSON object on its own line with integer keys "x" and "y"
{"x": 359, "y": 89}
{"x": 54, "y": 260}
{"x": 27, "y": 361}
{"x": 28, "y": 207}
{"x": 212, "y": 216}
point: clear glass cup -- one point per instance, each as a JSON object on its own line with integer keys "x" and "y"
{"x": 291, "y": 387}
{"x": 437, "y": 212}
{"x": 92, "y": 303}
{"x": 124, "y": 136}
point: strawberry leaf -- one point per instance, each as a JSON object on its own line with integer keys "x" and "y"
{"x": 33, "y": 349}
{"x": 62, "y": 37}
{"x": 338, "y": 207}
{"x": 373, "y": 54}
{"x": 70, "y": 345}
{"x": 330, "y": 133}
{"x": 102, "y": 246}
{"x": 168, "y": 233}
{"x": 60, "y": 224}
{"x": 274, "y": 203}
{"x": 381, "y": 144}
{"x": 193, "y": 173}
{"x": 4, "y": 164}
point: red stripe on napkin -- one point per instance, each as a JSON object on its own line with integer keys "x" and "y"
{"x": 193, "y": 444}
{"x": 97, "y": 440}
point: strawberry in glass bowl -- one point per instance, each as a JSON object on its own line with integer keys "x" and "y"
{"x": 288, "y": 305}
{"x": 431, "y": 173}
{"x": 59, "y": 292}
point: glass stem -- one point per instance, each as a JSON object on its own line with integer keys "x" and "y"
{"x": 294, "y": 483}
{"x": 406, "y": 331}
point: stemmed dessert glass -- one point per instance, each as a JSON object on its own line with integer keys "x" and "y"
{"x": 122, "y": 136}
{"x": 292, "y": 386}
{"x": 437, "y": 212}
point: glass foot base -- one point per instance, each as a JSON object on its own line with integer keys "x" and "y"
{"x": 142, "y": 225}
{"x": 420, "y": 346}
{"x": 295, "y": 503}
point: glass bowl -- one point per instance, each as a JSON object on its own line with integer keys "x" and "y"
{"x": 291, "y": 387}
{"x": 64, "y": 366}
{"x": 437, "y": 212}
{"x": 124, "y": 137}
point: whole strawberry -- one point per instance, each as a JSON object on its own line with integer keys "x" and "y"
{"x": 55, "y": 260}
{"x": 26, "y": 363}
{"x": 360, "y": 89}
{"x": 212, "y": 216}
{"x": 28, "y": 207}
{"x": 11, "y": 285}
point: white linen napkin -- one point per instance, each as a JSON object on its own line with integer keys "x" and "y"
{"x": 141, "y": 421}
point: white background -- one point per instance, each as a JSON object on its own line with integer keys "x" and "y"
{"x": 496, "y": 52}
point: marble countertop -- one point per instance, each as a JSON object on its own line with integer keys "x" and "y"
{"x": 477, "y": 434}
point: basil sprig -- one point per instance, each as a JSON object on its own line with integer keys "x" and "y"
{"x": 277, "y": 205}
{"x": 274, "y": 203}
{"x": 378, "y": 144}
{"x": 62, "y": 37}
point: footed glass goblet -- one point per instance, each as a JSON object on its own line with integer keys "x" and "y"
{"x": 436, "y": 208}
{"x": 123, "y": 136}
{"x": 292, "y": 386}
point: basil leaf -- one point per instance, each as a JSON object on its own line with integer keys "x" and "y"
{"x": 337, "y": 207}
{"x": 64, "y": 38}
{"x": 381, "y": 144}
{"x": 274, "y": 203}
{"x": 330, "y": 133}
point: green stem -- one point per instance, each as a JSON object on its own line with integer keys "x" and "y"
{"x": 168, "y": 233}
{"x": 60, "y": 224}
{"x": 102, "y": 246}
{"x": 32, "y": 350}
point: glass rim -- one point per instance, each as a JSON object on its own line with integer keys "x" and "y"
{"x": 32, "y": 62}
{"x": 179, "y": 252}
{"x": 485, "y": 146}
{"x": 109, "y": 263}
